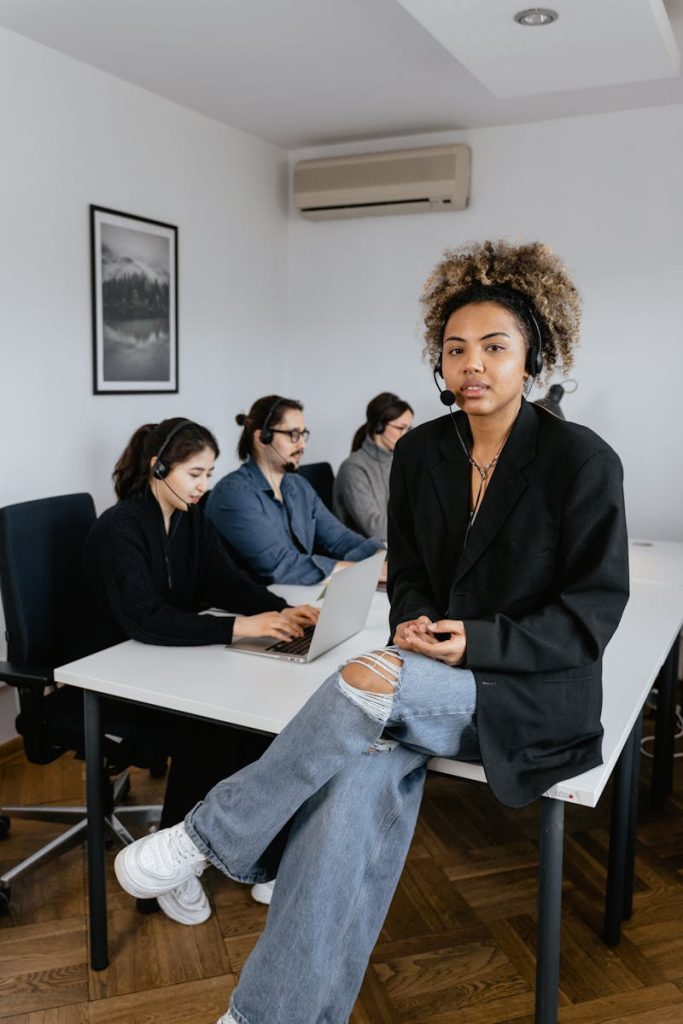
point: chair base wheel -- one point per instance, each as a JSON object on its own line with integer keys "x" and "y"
{"x": 147, "y": 906}
{"x": 5, "y": 826}
{"x": 158, "y": 769}
{"x": 4, "y": 902}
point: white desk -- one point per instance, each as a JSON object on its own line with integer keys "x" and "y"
{"x": 216, "y": 682}
{"x": 263, "y": 694}
{"x": 258, "y": 693}
{"x": 660, "y": 561}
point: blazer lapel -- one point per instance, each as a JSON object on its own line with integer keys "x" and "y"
{"x": 451, "y": 479}
{"x": 507, "y": 486}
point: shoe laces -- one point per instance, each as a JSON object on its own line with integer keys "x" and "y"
{"x": 181, "y": 849}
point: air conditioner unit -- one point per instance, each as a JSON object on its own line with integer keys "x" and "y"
{"x": 404, "y": 181}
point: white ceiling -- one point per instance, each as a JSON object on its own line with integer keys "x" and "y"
{"x": 312, "y": 72}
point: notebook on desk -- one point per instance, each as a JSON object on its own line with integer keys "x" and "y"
{"x": 345, "y": 608}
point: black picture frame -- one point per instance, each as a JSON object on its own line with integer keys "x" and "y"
{"x": 134, "y": 264}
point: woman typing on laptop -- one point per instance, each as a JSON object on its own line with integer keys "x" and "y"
{"x": 153, "y": 562}
{"x": 508, "y": 574}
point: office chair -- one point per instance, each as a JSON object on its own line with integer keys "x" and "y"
{"x": 321, "y": 478}
{"x": 49, "y": 622}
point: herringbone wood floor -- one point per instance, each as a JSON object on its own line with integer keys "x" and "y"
{"x": 457, "y": 946}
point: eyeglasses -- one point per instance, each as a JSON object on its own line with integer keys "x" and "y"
{"x": 401, "y": 427}
{"x": 294, "y": 435}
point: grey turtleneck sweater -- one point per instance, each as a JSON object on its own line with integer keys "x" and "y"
{"x": 361, "y": 490}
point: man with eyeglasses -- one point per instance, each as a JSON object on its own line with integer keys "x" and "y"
{"x": 272, "y": 519}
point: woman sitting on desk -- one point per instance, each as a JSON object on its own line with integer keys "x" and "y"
{"x": 361, "y": 487}
{"x": 508, "y": 574}
{"x": 153, "y": 562}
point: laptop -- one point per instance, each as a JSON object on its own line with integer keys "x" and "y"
{"x": 345, "y": 608}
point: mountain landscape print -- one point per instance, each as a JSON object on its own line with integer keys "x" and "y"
{"x": 135, "y": 302}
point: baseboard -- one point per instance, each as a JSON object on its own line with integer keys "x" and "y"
{"x": 10, "y": 748}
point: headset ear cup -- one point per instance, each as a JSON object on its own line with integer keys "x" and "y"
{"x": 160, "y": 470}
{"x": 266, "y": 432}
{"x": 534, "y": 356}
{"x": 378, "y": 428}
{"x": 534, "y": 360}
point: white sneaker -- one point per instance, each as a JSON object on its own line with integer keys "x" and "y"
{"x": 188, "y": 904}
{"x": 262, "y": 892}
{"x": 158, "y": 863}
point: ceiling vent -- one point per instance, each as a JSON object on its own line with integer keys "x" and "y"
{"x": 435, "y": 178}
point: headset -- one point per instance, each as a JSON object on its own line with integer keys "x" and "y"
{"x": 160, "y": 470}
{"x": 379, "y": 425}
{"x": 533, "y": 363}
{"x": 534, "y": 355}
{"x": 266, "y": 432}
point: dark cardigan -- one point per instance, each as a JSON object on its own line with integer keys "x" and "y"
{"x": 540, "y": 586}
{"x": 150, "y": 586}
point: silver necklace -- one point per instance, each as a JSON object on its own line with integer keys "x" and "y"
{"x": 483, "y": 472}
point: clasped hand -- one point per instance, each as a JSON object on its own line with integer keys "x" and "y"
{"x": 419, "y": 635}
{"x": 284, "y": 625}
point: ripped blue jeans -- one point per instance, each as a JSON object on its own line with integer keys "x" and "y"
{"x": 331, "y": 807}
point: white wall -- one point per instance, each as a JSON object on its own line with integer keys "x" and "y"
{"x": 606, "y": 192}
{"x": 72, "y": 136}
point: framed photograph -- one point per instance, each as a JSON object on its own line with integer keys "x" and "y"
{"x": 134, "y": 303}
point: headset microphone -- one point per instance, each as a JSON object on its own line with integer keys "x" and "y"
{"x": 445, "y": 394}
{"x": 289, "y": 467}
{"x": 189, "y": 505}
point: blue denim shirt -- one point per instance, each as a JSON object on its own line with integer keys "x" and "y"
{"x": 297, "y": 540}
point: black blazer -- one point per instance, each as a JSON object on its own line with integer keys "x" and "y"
{"x": 541, "y": 585}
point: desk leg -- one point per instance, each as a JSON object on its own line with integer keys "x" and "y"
{"x": 618, "y": 841}
{"x": 665, "y": 727}
{"x": 549, "y": 909}
{"x": 630, "y": 856}
{"x": 97, "y": 892}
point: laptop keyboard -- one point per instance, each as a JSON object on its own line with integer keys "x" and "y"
{"x": 299, "y": 645}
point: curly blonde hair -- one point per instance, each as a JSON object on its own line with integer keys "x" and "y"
{"x": 528, "y": 279}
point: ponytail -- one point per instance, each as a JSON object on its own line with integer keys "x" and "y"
{"x": 359, "y": 437}
{"x": 131, "y": 471}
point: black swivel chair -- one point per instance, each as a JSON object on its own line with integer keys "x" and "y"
{"x": 321, "y": 478}
{"x": 49, "y": 623}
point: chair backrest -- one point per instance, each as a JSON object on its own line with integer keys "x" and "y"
{"x": 43, "y": 595}
{"x": 321, "y": 478}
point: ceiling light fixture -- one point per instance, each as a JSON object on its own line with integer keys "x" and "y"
{"x": 534, "y": 16}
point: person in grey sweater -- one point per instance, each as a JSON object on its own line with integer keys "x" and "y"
{"x": 361, "y": 488}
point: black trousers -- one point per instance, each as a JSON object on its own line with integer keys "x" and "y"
{"x": 201, "y": 753}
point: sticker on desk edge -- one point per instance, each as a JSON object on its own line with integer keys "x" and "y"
{"x": 561, "y": 793}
